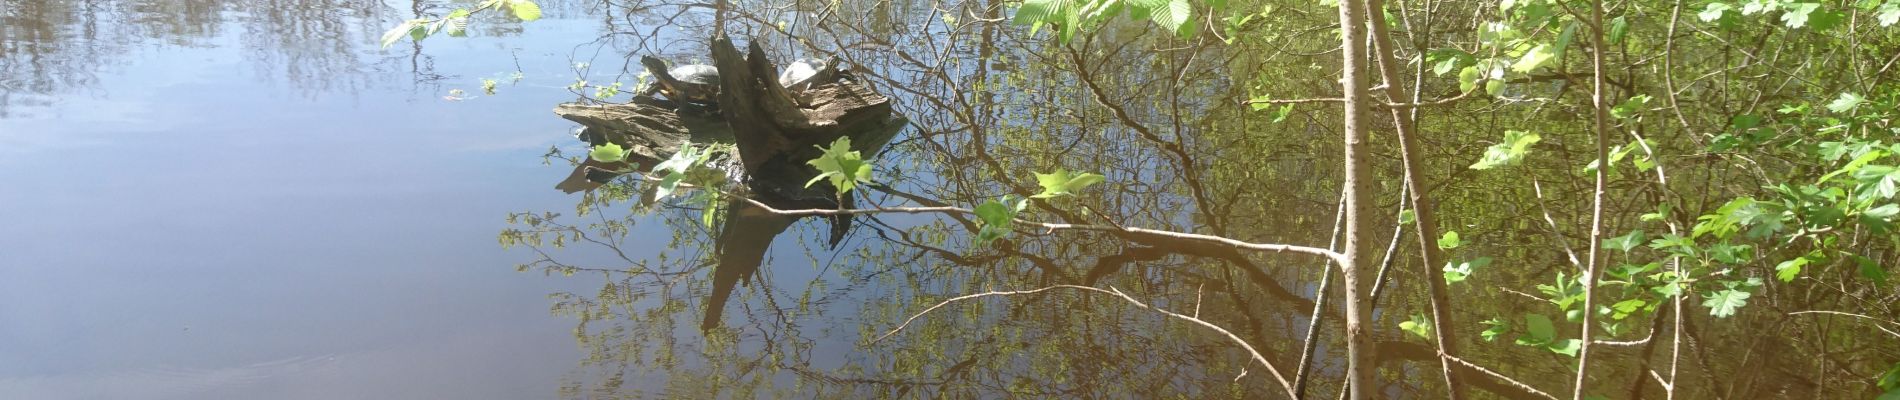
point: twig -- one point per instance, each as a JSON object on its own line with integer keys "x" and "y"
{"x": 1556, "y": 235}
{"x": 1882, "y": 328}
{"x": 1506, "y": 379}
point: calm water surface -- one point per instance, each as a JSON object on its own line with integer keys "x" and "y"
{"x": 224, "y": 199}
{"x": 205, "y": 199}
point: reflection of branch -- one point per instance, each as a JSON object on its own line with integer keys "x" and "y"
{"x": 1112, "y": 291}
{"x": 1047, "y": 226}
{"x": 1882, "y": 328}
{"x": 1501, "y": 377}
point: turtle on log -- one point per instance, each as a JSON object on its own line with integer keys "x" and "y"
{"x": 698, "y": 83}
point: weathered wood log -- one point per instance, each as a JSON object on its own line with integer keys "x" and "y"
{"x": 776, "y": 135}
{"x": 776, "y": 131}
{"x": 651, "y": 129}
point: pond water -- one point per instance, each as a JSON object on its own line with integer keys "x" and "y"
{"x": 256, "y": 199}
{"x": 236, "y": 199}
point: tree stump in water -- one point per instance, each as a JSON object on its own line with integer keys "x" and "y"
{"x": 776, "y": 131}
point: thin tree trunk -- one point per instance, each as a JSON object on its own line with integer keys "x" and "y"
{"x": 1301, "y": 377}
{"x": 1411, "y": 152}
{"x": 1592, "y": 268}
{"x": 1359, "y": 346}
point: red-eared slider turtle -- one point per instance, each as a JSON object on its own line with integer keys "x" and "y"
{"x": 805, "y": 73}
{"x": 697, "y": 83}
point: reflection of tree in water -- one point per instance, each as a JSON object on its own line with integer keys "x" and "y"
{"x": 50, "y": 48}
{"x": 795, "y": 335}
{"x": 1161, "y": 117}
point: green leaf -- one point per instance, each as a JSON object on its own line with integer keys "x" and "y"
{"x": 1723, "y": 303}
{"x": 1753, "y": 7}
{"x": 1566, "y": 347}
{"x": 1468, "y": 78}
{"x": 1675, "y": 244}
{"x": 608, "y": 153}
{"x": 1618, "y": 27}
{"x": 1626, "y": 242}
{"x": 457, "y": 26}
{"x": 1847, "y": 102}
{"x": 1630, "y": 107}
{"x": 1534, "y": 58}
{"x": 1037, "y": 12}
{"x": 526, "y": 10}
{"x": 1407, "y": 216}
{"x": 710, "y": 215}
{"x": 1449, "y": 240}
{"x": 1889, "y": 13}
{"x": 1714, "y": 11}
{"x": 1458, "y": 271}
{"x": 1786, "y": 271}
{"x": 667, "y": 185}
{"x": 1285, "y": 111}
{"x": 395, "y": 34}
{"x": 1064, "y": 183}
{"x": 1540, "y": 329}
{"x": 843, "y": 166}
{"x": 1444, "y": 66}
{"x": 682, "y": 160}
{"x": 996, "y": 219}
{"x": 1884, "y": 211}
{"x": 1662, "y": 211}
{"x": 1497, "y": 328}
{"x": 1623, "y": 309}
{"x": 1170, "y": 14}
{"x": 1418, "y": 325}
{"x": 1796, "y": 15}
{"x": 1260, "y": 102}
{"x": 1508, "y": 152}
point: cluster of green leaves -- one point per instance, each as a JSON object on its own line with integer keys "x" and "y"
{"x": 844, "y": 167}
{"x": 456, "y": 22}
{"x": 1509, "y": 151}
{"x": 1455, "y": 270}
{"x": 997, "y": 215}
{"x": 687, "y": 167}
{"x": 1526, "y": 37}
{"x": 1795, "y": 15}
{"x": 1067, "y": 17}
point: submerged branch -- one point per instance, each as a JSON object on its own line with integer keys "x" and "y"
{"x": 1255, "y": 354}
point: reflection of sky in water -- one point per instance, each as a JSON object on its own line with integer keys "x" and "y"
{"x": 192, "y": 225}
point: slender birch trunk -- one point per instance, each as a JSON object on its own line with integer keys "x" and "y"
{"x": 1592, "y": 269}
{"x": 1411, "y": 152}
{"x": 1359, "y": 367}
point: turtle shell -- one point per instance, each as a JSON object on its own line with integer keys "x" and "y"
{"x": 697, "y": 83}
{"x": 801, "y": 74}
